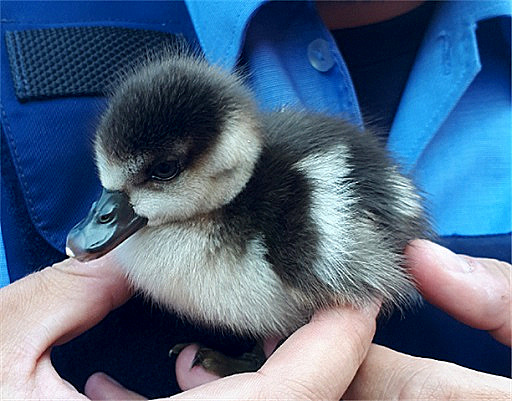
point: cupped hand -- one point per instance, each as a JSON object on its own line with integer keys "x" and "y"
{"x": 475, "y": 291}
{"x": 318, "y": 361}
{"x": 48, "y": 308}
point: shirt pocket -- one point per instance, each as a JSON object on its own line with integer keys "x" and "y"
{"x": 59, "y": 60}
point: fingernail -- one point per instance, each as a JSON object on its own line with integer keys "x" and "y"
{"x": 110, "y": 380}
{"x": 451, "y": 261}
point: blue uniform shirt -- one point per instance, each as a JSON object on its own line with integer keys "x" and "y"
{"x": 454, "y": 116}
{"x": 451, "y": 132}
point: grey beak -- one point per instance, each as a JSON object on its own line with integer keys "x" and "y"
{"x": 110, "y": 221}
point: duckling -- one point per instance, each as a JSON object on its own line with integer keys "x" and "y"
{"x": 239, "y": 219}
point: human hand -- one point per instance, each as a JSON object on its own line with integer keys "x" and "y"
{"x": 318, "y": 361}
{"x": 48, "y": 308}
{"x": 476, "y": 292}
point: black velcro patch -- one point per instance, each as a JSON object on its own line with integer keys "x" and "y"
{"x": 76, "y": 61}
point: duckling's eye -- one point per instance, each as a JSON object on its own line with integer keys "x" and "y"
{"x": 165, "y": 171}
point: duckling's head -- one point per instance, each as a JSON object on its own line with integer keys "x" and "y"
{"x": 180, "y": 138}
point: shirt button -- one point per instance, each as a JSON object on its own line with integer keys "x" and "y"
{"x": 320, "y": 56}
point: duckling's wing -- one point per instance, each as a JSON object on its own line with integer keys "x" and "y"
{"x": 380, "y": 188}
{"x": 343, "y": 212}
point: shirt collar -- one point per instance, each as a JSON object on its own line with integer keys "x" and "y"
{"x": 220, "y": 27}
{"x": 446, "y": 64}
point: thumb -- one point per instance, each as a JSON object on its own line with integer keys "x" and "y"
{"x": 99, "y": 386}
{"x": 475, "y": 291}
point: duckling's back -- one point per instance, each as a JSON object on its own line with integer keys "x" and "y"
{"x": 333, "y": 210}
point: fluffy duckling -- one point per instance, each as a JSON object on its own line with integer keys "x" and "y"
{"x": 243, "y": 220}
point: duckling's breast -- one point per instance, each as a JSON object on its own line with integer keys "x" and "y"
{"x": 191, "y": 268}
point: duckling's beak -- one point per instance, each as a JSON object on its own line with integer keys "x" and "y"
{"x": 110, "y": 221}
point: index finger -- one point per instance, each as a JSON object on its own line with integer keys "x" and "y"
{"x": 59, "y": 302}
{"x": 322, "y": 357}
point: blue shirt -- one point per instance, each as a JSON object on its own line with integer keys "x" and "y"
{"x": 443, "y": 132}
{"x": 451, "y": 131}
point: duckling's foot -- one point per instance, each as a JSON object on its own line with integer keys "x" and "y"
{"x": 222, "y": 365}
